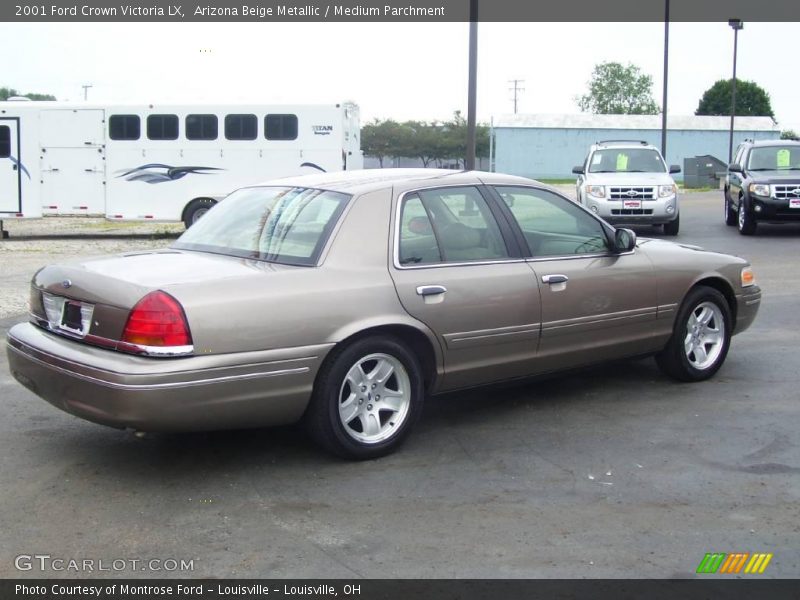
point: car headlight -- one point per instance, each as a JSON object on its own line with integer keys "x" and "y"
{"x": 748, "y": 277}
{"x": 759, "y": 189}
{"x": 667, "y": 190}
{"x": 598, "y": 191}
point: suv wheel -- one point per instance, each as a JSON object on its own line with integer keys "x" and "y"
{"x": 746, "y": 222}
{"x": 672, "y": 227}
{"x": 730, "y": 214}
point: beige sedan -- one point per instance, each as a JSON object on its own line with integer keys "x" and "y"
{"x": 345, "y": 299}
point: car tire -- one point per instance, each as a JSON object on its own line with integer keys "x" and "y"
{"x": 196, "y": 209}
{"x": 745, "y": 220}
{"x": 730, "y": 214}
{"x": 366, "y": 399}
{"x": 672, "y": 227}
{"x": 700, "y": 337}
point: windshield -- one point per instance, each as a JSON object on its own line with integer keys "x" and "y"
{"x": 626, "y": 160}
{"x": 774, "y": 158}
{"x": 276, "y": 224}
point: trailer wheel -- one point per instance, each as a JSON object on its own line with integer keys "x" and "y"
{"x": 196, "y": 209}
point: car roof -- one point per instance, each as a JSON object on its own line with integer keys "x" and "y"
{"x": 773, "y": 142}
{"x": 367, "y": 180}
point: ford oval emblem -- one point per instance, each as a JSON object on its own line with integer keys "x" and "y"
{"x": 632, "y": 193}
{"x": 66, "y": 283}
{"x": 796, "y": 191}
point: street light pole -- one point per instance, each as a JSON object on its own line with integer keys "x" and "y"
{"x": 666, "y": 72}
{"x": 469, "y": 159}
{"x": 736, "y": 25}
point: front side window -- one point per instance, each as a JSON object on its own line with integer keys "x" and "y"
{"x": 626, "y": 160}
{"x": 275, "y": 224}
{"x": 162, "y": 127}
{"x": 774, "y": 158}
{"x": 124, "y": 127}
{"x": 553, "y": 225}
{"x": 448, "y": 225}
{"x": 201, "y": 127}
{"x": 280, "y": 127}
{"x": 5, "y": 141}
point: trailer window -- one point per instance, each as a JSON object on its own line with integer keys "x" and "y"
{"x": 5, "y": 141}
{"x": 280, "y": 127}
{"x": 162, "y": 127}
{"x": 241, "y": 127}
{"x": 201, "y": 127}
{"x": 124, "y": 127}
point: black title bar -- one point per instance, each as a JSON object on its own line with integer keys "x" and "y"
{"x": 395, "y": 10}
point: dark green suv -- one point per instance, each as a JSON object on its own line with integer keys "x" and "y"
{"x": 763, "y": 184}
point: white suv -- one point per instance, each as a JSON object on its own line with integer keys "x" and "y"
{"x": 628, "y": 182}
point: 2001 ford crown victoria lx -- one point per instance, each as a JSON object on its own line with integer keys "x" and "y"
{"x": 343, "y": 299}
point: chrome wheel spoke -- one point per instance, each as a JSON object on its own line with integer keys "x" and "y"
{"x": 712, "y": 337}
{"x": 393, "y": 402}
{"x": 382, "y": 372}
{"x": 700, "y": 354}
{"x": 371, "y": 424}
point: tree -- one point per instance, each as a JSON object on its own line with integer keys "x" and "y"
{"x": 751, "y": 100}
{"x": 615, "y": 89}
{"x": 379, "y": 139}
{"x": 6, "y": 93}
{"x": 789, "y": 134}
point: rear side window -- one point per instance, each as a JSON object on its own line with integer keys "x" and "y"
{"x": 5, "y": 141}
{"x": 162, "y": 127}
{"x": 124, "y": 127}
{"x": 241, "y": 127}
{"x": 448, "y": 225}
{"x": 201, "y": 127}
{"x": 280, "y": 127}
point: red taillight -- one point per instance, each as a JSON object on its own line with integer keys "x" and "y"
{"x": 157, "y": 320}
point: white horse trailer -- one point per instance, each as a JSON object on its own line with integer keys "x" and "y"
{"x": 160, "y": 162}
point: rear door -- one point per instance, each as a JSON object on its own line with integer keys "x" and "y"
{"x": 458, "y": 269}
{"x": 595, "y": 305}
{"x": 10, "y": 167}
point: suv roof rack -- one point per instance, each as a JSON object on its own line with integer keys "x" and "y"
{"x": 642, "y": 142}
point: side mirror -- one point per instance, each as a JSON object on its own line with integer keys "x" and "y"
{"x": 674, "y": 169}
{"x": 735, "y": 167}
{"x": 577, "y": 170}
{"x": 624, "y": 240}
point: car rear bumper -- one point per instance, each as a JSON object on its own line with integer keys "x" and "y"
{"x": 747, "y": 305}
{"x": 198, "y": 393}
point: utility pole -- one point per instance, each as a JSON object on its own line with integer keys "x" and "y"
{"x": 86, "y": 91}
{"x": 516, "y": 89}
{"x": 666, "y": 79}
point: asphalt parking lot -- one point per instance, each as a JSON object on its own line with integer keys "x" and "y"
{"x": 615, "y": 472}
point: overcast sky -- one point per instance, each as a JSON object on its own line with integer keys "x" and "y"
{"x": 398, "y": 70}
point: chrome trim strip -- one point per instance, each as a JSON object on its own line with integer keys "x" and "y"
{"x": 595, "y": 319}
{"x": 158, "y": 386}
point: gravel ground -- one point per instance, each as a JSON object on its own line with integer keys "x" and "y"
{"x": 35, "y": 243}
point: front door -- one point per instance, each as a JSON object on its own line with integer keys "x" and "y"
{"x": 10, "y": 167}
{"x": 596, "y": 305}
{"x": 454, "y": 271}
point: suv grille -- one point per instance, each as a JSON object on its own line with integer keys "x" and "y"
{"x": 784, "y": 192}
{"x": 632, "y": 193}
{"x": 631, "y": 211}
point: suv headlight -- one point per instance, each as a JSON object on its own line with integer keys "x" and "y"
{"x": 598, "y": 191}
{"x": 759, "y": 189}
{"x": 667, "y": 190}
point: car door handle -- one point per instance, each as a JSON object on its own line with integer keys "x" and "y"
{"x": 554, "y": 279}
{"x": 430, "y": 290}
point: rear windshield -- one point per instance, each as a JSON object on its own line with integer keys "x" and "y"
{"x": 626, "y": 160}
{"x": 275, "y": 224}
{"x": 774, "y": 158}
